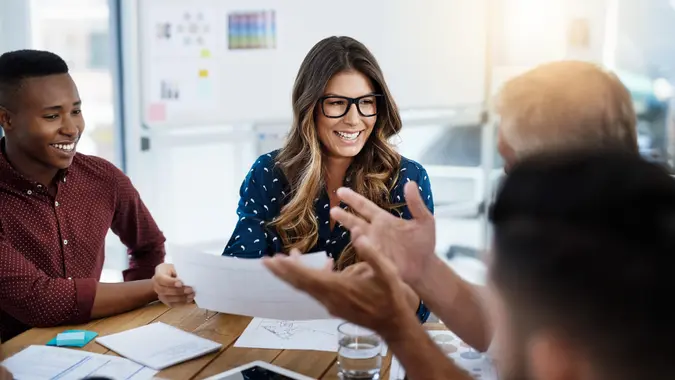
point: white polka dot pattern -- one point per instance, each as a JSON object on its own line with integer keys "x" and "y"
{"x": 262, "y": 197}
{"x": 52, "y": 247}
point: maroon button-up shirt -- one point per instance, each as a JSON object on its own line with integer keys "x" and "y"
{"x": 52, "y": 247}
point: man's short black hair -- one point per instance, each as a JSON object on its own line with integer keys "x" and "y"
{"x": 585, "y": 246}
{"x": 18, "y": 65}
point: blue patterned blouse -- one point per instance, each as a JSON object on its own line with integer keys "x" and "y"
{"x": 264, "y": 192}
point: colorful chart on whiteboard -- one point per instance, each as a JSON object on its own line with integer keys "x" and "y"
{"x": 252, "y": 30}
{"x": 477, "y": 364}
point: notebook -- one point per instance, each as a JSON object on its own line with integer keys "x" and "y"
{"x": 158, "y": 345}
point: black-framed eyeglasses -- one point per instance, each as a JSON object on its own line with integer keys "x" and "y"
{"x": 334, "y": 106}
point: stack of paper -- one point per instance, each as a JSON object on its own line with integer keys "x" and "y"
{"x": 44, "y": 362}
{"x": 245, "y": 286}
{"x": 158, "y": 345}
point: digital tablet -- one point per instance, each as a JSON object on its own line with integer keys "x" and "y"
{"x": 259, "y": 370}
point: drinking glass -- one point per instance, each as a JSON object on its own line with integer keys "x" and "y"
{"x": 359, "y": 352}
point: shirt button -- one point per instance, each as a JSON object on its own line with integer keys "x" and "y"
{"x": 65, "y": 242}
{"x": 70, "y": 278}
{"x": 56, "y": 204}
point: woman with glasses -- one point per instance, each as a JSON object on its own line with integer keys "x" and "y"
{"x": 344, "y": 116}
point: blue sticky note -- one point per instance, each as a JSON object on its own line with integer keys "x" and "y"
{"x": 71, "y": 338}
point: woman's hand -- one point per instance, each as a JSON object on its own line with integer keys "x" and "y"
{"x": 169, "y": 288}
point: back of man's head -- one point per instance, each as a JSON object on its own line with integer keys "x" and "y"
{"x": 565, "y": 105}
{"x": 584, "y": 250}
{"x": 15, "y": 66}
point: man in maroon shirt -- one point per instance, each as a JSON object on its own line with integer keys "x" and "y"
{"x": 57, "y": 206}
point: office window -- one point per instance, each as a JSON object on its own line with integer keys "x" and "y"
{"x": 99, "y": 50}
{"x": 77, "y": 30}
{"x": 81, "y": 38}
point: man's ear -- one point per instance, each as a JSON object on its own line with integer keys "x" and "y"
{"x": 5, "y": 119}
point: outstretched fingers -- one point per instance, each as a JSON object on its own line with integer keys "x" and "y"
{"x": 415, "y": 203}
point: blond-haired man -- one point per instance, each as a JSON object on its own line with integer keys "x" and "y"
{"x": 562, "y": 105}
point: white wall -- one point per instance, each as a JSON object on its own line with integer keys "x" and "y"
{"x": 190, "y": 177}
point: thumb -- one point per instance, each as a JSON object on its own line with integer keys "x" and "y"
{"x": 415, "y": 203}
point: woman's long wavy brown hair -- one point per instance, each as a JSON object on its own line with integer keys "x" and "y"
{"x": 374, "y": 171}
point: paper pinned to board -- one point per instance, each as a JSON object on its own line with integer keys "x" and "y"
{"x": 245, "y": 286}
{"x": 46, "y": 362}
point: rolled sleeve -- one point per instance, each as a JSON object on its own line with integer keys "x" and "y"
{"x": 85, "y": 289}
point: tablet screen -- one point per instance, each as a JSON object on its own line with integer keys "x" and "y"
{"x": 256, "y": 373}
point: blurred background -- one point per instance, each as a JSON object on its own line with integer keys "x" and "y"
{"x": 173, "y": 91}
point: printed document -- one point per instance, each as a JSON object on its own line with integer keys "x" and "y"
{"x": 47, "y": 362}
{"x": 246, "y": 287}
{"x": 158, "y": 345}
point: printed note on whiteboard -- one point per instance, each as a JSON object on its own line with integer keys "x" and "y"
{"x": 180, "y": 31}
{"x": 245, "y": 286}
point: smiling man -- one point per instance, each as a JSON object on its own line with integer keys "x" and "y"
{"x": 57, "y": 206}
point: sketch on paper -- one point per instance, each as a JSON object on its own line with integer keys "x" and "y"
{"x": 319, "y": 335}
{"x": 288, "y": 329}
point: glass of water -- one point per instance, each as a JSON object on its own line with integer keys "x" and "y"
{"x": 359, "y": 352}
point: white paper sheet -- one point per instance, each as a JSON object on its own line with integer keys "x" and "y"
{"x": 318, "y": 335}
{"x": 478, "y": 365}
{"x": 245, "y": 286}
{"x": 46, "y": 362}
{"x": 158, "y": 345}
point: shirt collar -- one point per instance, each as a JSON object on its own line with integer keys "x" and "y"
{"x": 15, "y": 179}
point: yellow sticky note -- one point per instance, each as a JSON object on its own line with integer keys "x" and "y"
{"x": 203, "y": 73}
{"x": 206, "y": 53}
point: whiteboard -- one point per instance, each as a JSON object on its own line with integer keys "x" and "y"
{"x": 432, "y": 53}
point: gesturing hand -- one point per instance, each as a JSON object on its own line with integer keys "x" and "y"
{"x": 369, "y": 293}
{"x": 409, "y": 243}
